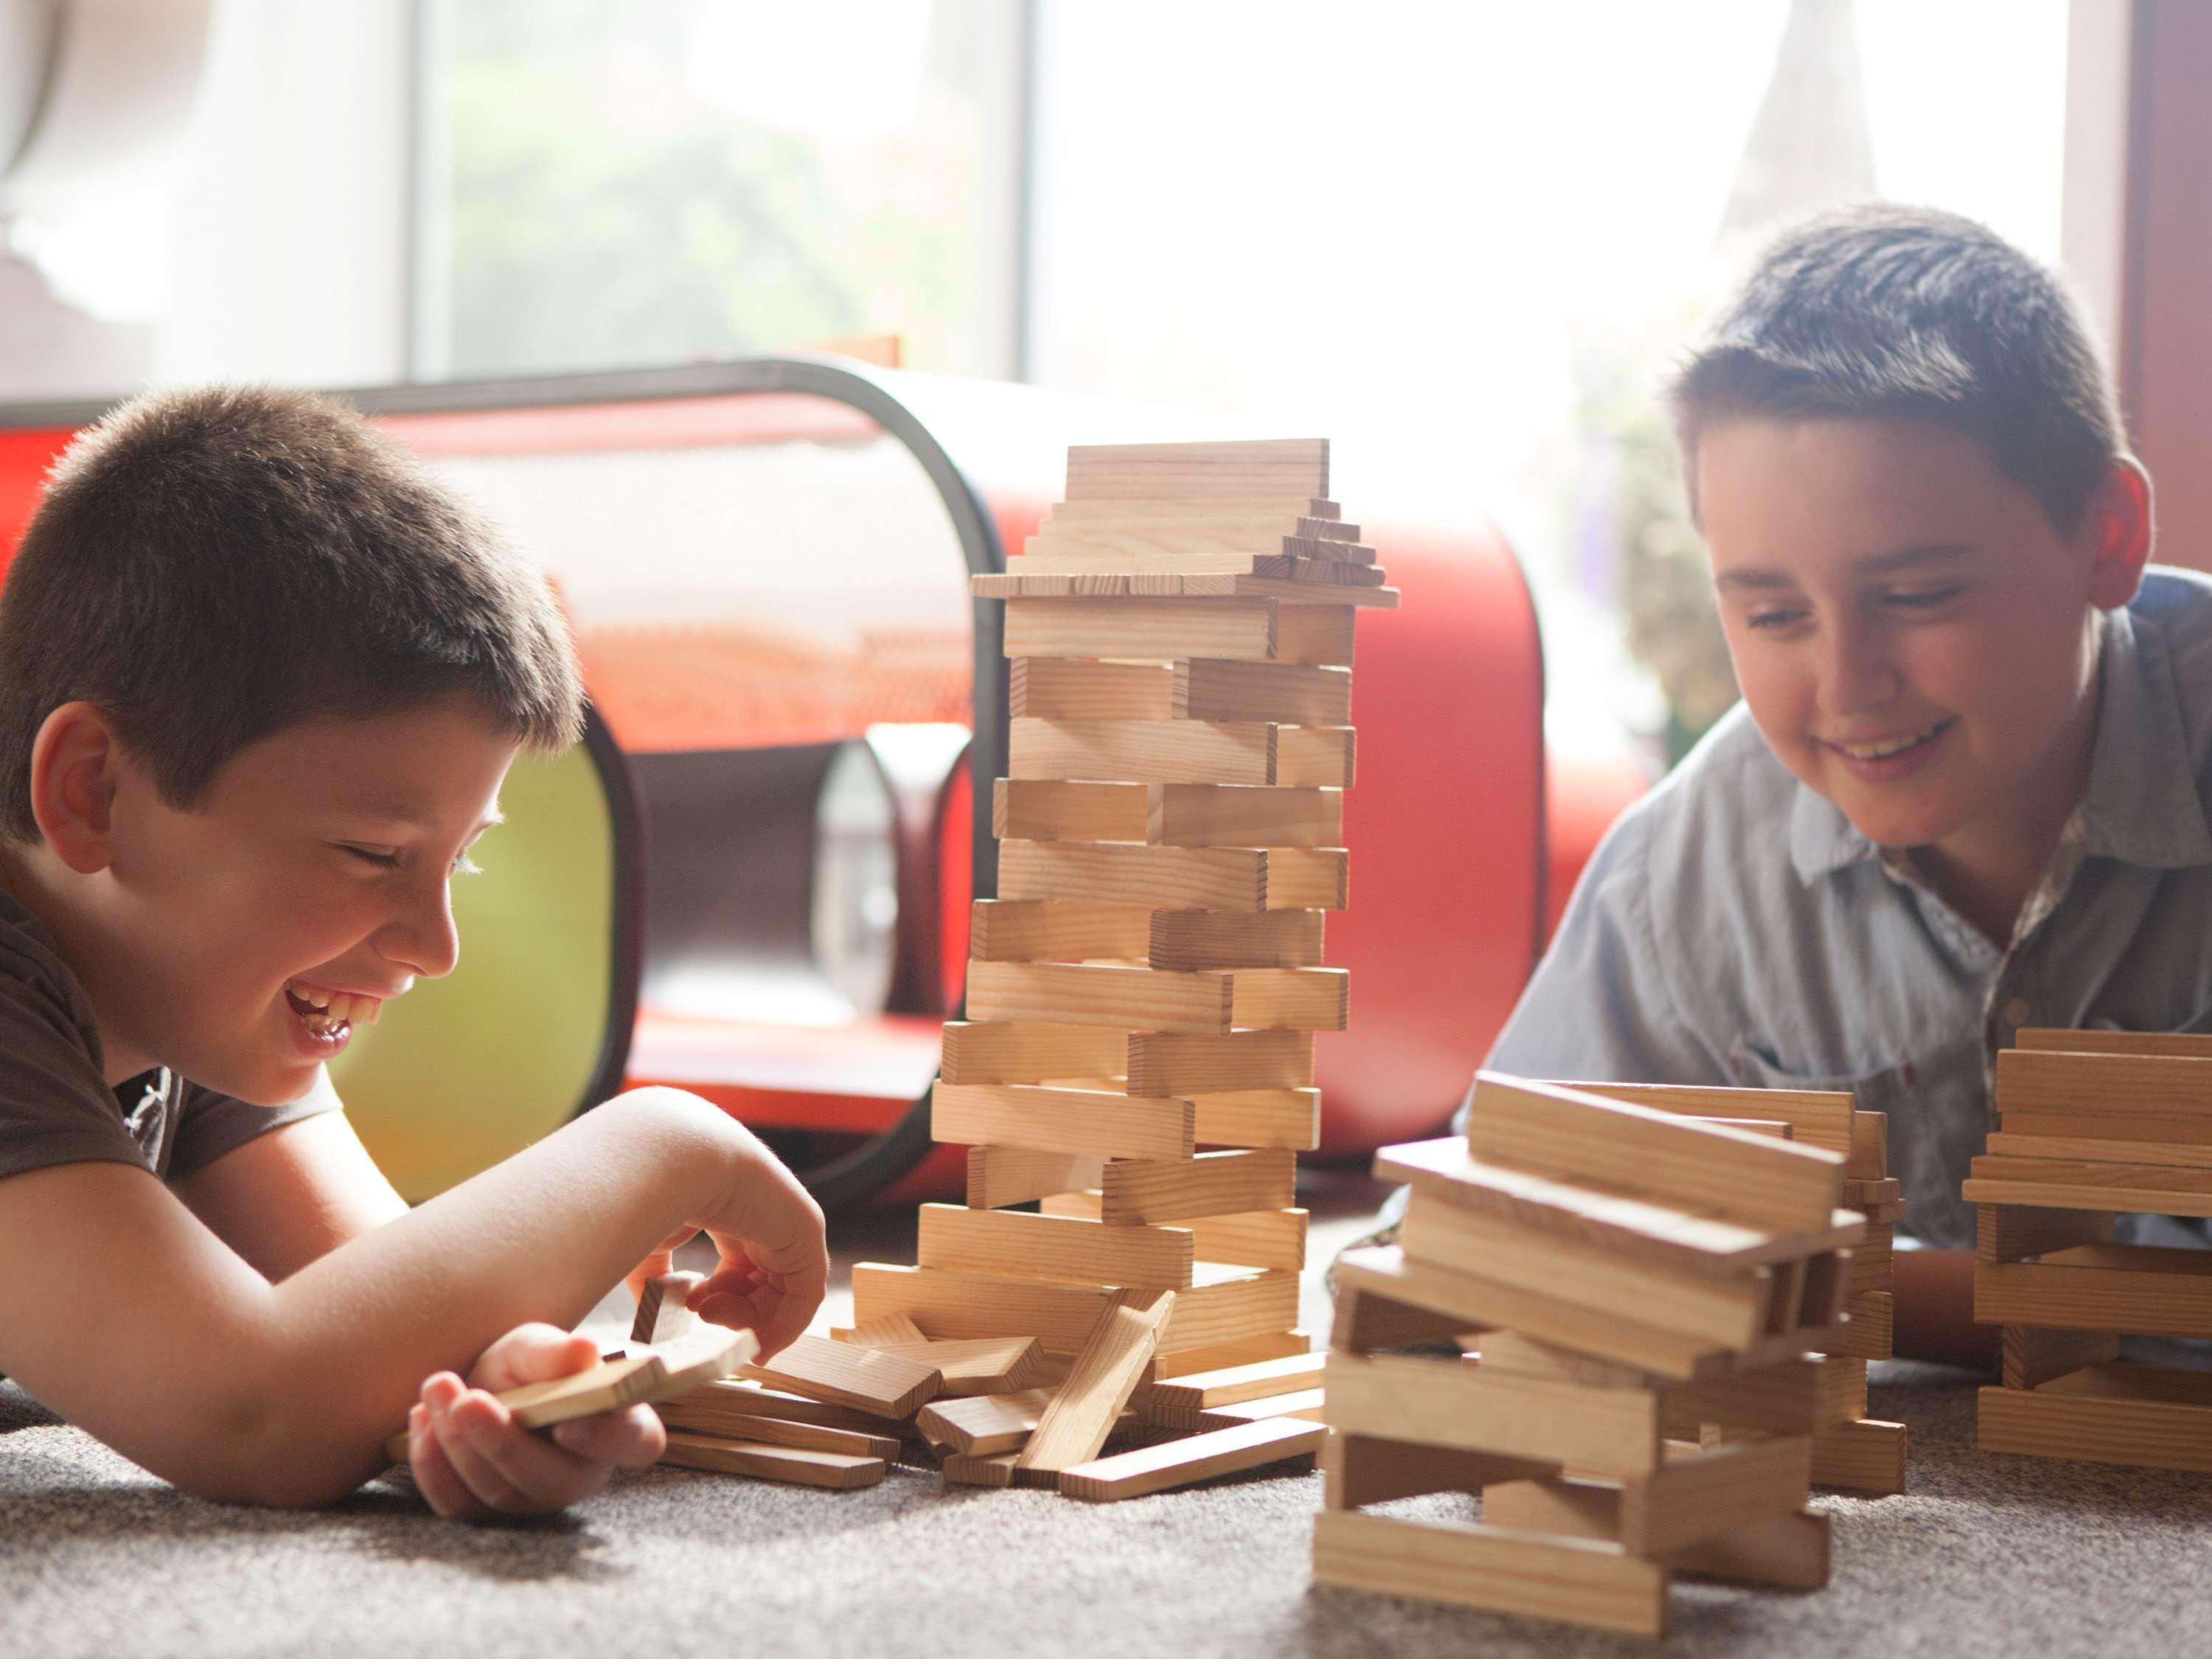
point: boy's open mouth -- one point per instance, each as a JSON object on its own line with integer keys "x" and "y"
{"x": 328, "y": 1013}
{"x": 1894, "y": 745}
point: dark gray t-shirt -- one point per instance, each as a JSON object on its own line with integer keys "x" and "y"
{"x": 55, "y": 1104}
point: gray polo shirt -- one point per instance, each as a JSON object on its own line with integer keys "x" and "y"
{"x": 1733, "y": 927}
{"x": 55, "y": 1104}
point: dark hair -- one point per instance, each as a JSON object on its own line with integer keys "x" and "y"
{"x": 209, "y": 567}
{"x": 1881, "y": 310}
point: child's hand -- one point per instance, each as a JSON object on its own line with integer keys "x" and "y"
{"x": 471, "y": 1459}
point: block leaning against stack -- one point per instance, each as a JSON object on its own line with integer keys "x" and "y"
{"x": 2093, "y": 1125}
{"x": 1149, "y": 979}
{"x": 1634, "y": 1276}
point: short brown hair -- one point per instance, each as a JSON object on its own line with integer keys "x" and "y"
{"x": 209, "y": 567}
{"x": 1883, "y": 311}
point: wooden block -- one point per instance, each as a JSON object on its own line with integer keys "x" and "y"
{"x": 2081, "y": 1149}
{"x": 1321, "y": 510}
{"x": 1171, "y": 1063}
{"x": 1054, "y": 809}
{"x": 1156, "y": 548}
{"x": 1869, "y": 1334}
{"x": 1147, "y": 1191}
{"x": 1243, "y": 815}
{"x": 1781, "y": 1399}
{"x": 1056, "y": 931}
{"x": 846, "y": 1376}
{"x": 838, "y": 1471}
{"x": 1181, "y": 1462}
{"x": 1864, "y": 1455}
{"x": 1113, "y": 1360}
{"x": 2174, "y": 1045}
{"x": 1842, "y": 1391}
{"x": 1817, "y": 1117}
{"x": 721, "y": 1408}
{"x": 1257, "y": 1238}
{"x": 2032, "y": 1357}
{"x": 1575, "y": 1580}
{"x": 966, "y": 1471}
{"x": 1016, "y": 1175}
{"x": 981, "y": 1425}
{"x": 1307, "y": 1405}
{"x": 1314, "y": 757}
{"x": 1146, "y": 751}
{"x": 1021, "y": 1246}
{"x": 1717, "y": 1491}
{"x": 1443, "y": 1402}
{"x": 2140, "y": 1290}
{"x": 1367, "y": 1321}
{"x": 1246, "y": 1351}
{"x": 1789, "y": 1552}
{"x": 1563, "y": 1506}
{"x": 1442, "y": 1170}
{"x": 1190, "y": 941}
{"x": 1289, "y": 999}
{"x": 1028, "y": 1052}
{"x": 2007, "y": 1233}
{"x": 1726, "y": 1310}
{"x": 1090, "y": 994}
{"x": 1118, "y": 876}
{"x": 1198, "y": 472}
{"x": 1298, "y": 594}
{"x": 1284, "y": 1119}
{"x": 2136, "y": 1189}
{"x": 1761, "y": 1183}
{"x": 886, "y": 1332}
{"x": 1514, "y": 1351}
{"x": 1062, "y": 1120}
{"x": 1872, "y": 1262}
{"x": 787, "y": 1432}
{"x": 1161, "y": 630}
{"x": 2088, "y": 1087}
{"x": 1224, "y": 1305}
{"x": 1199, "y": 1390}
{"x": 1073, "y": 689}
{"x": 2142, "y": 1416}
{"x": 1877, "y": 1194}
{"x": 2158, "y": 1132}
{"x": 978, "y": 1366}
{"x": 662, "y": 1314}
{"x": 1291, "y": 694}
{"x": 1362, "y": 1470}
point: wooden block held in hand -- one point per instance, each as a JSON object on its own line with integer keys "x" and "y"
{"x": 662, "y": 1315}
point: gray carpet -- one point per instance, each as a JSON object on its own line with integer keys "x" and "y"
{"x": 2007, "y": 1556}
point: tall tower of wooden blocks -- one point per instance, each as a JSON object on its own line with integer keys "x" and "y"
{"x": 1149, "y": 980}
{"x": 1637, "y": 1277}
{"x": 2093, "y": 1125}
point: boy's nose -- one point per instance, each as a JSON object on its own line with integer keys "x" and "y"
{"x": 423, "y": 938}
{"x": 1856, "y": 672}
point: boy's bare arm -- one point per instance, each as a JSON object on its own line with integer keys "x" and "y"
{"x": 293, "y": 1195}
{"x": 141, "y": 1327}
{"x": 1936, "y": 1309}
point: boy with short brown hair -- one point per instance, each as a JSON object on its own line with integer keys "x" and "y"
{"x": 260, "y": 681}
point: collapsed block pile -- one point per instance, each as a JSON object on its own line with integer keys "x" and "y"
{"x": 2093, "y": 1125}
{"x": 1637, "y": 1277}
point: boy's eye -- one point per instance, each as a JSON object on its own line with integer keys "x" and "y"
{"x": 463, "y": 865}
{"x": 1774, "y": 618}
{"x": 1922, "y": 599}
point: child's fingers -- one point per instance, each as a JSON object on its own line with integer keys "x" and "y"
{"x": 536, "y": 1353}
{"x": 510, "y": 1469}
{"x": 632, "y": 1439}
{"x": 442, "y": 1486}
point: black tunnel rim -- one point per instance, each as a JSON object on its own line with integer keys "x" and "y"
{"x": 880, "y": 1159}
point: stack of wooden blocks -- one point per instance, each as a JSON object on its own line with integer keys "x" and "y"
{"x": 2093, "y": 1125}
{"x": 1850, "y": 1449}
{"x": 1148, "y": 979}
{"x": 1636, "y": 1277}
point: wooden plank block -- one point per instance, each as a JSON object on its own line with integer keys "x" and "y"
{"x": 1016, "y": 1175}
{"x": 2157, "y": 1131}
{"x": 1051, "y": 809}
{"x": 981, "y": 1425}
{"x": 1863, "y": 1455}
{"x": 1446, "y": 1403}
{"x": 2136, "y": 1188}
{"x": 1183, "y": 1064}
{"x": 1789, "y": 1552}
{"x": 1719, "y": 1490}
{"x": 885, "y": 1333}
{"x": 1243, "y": 815}
{"x": 1290, "y": 998}
{"x": 1103, "y": 547}
{"x": 962, "y": 1470}
{"x": 1245, "y": 1351}
{"x": 1575, "y": 1580}
{"x": 1022, "y": 1246}
{"x": 1113, "y": 876}
{"x": 1817, "y": 1117}
{"x": 1290, "y": 694}
{"x": 1727, "y": 1310}
{"x": 836, "y": 1470}
{"x": 1320, "y": 634}
{"x": 1516, "y": 1351}
{"x": 1199, "y": 1390}
{"x": 2008, "y": 1233}
{"x": 1056, "y": 931}
{"x": 2173, "y": 1045}
{"x": 2142, "y": 1416}
{"x": 1872, "y": 1262}
{"x": 2140, "y": 1290}
{"x": 1368, "y": 1321}
{"x": 1192, "y": 941}
{"x": 1087, "y": 993}
{"x": 1224, "y": 1305}
{"x": 1200, "y": 1457}
{"x": 843, "y": 1375}
{"x": 1842, "y": 1391}
{"x": 787, "y": 1431}
{"x": 1442, "y": 1170}
{"x": 1287, "y": 1119}
{"x": 1198, "y": 472}
{"x": 2088, "y": 1087}
{"x": 1062, "y": 1120}
{"x": 1320, "y": 756}
{"x": 1879, "y": 1194}
{"x": 1162, "y": 629}
{"x": 1141, "y": 1191}
{"x": 2079, "y": 1149}
{"x": 1781, "y": 1399}
{"x": 1028, "y": 1051}
{"x": 720, "y": 1408}
{"x": 1869, "y": 1334}
{"x": 1267, "y": 533}
{"x": 1309, "y": 1404}
{"x": 1256, "y": 1239}
{"x": 1360, "y": 1470}
{"x": 1113, "y": 1360}
{"x": 1296, "y": 594}
{"x": 1077, "y": 688}
{"x": 662, "y": 1313}
{"x": 980, "y": 1365}
{"x": 2032, "y": 1357}
{"x": 1301, "y": 590}
{"x": 1774, "y": 1184}
{"x": 1147, "y": 752}
{"x": 1321, "y": 510}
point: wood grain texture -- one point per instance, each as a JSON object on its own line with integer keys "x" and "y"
{"x": 1001, "y": 930}
{"x": 1198, "y": 941}
{"x": 1139, "y": 1191}
{"x": 1078, "y": 689}
{"x": 2139, "y": 1290}
{"x": 2090, "y": 1086}
{"x": 1111, "y": 1363}
{"x": 1016, "y": 1175}
{"x": 836, "y": 1471}
{"x": 1243, "y": 815}
{"x": 2085, "y": 1184}
{"x": 1023, "y": 1246}
{"x": 1224, "y": 1305}
{"x": 1865, "y": 1455}
{"x": 1290, "y": 694}
{"x": 1719, "y": 1490}
{"x": 980, "y": 1365}
{"x": 2142, "y": 1416}
{"x": 843, "y": 1374}
{"x": 2008, "y": 1233}
{"x": 1199, "y": 1390}
{"x": 1208, "y": 472}
{"x": 1029, "y": 1051}
{"x": 1200, "y": 1458}
{"x": 1183, "y": 1063}
{"x": 1282, "y": 1118}
{"x": 2083, "y": 1149}
{"x": 1084, "y": 994}
{"x": 2032, "y": 1358}
{"x": 1448, "y": 1403}
{"x": 1091, "y": 1121}
{"x": 2176, "y": 1045}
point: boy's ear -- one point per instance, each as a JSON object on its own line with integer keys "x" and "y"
{"x": 74, "y": 765}
{"x": 2119, "y": 530}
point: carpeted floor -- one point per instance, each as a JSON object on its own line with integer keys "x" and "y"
{"x": 2026, "y": 1558}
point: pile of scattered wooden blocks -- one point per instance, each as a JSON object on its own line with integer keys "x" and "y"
{"x": 2093, "y": 1125}
{"x": 1638, "y": 1280}
{"x": 1148, "y": 980}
